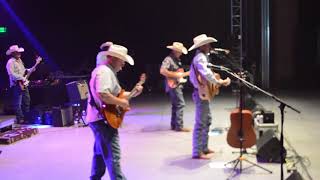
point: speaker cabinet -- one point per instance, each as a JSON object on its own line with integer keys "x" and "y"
{"x": 269, "y": 147}
{"x": 62, "y": 116}
{"x": 77, "y": 91}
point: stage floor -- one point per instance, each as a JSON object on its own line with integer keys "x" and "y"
{"x": 151, "y": 151}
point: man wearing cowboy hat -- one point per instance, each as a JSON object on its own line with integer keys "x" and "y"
{"x": 104, "y": 87}
{"x": 199, "y": 70}
{"x": 169, "y": 68}
{"x": 16, "y": 72}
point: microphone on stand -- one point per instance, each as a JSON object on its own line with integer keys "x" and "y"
{"x": 219, "y": 50}
{"x": 210, "y": 65}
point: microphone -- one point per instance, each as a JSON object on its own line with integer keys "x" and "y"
{"x": 218, "y": 50}
{"x": 218, "y": 67}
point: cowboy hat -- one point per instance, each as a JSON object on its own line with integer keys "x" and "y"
{"x": 106, "y": 44}
{"x": 120, "y": 52}
{"x": 177, "y": 46}
{"x": 201, "y": 40}
{"x": 14, "y": 48}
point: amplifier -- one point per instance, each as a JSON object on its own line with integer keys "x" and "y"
{"x": 77, "y": 91}
{"x": 62, "y": 116}
{"x": 268, "y": 117}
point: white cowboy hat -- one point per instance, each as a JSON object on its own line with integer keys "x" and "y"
{"x": 177, "y": 46}
{"x": 120, "y": 52}
{"x": 14, "y": 48}
{"x": 106, "y": 44}
{"x": 201, "y": 40}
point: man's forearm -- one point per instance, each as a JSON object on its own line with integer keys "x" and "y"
{"x": 108, "y": 98}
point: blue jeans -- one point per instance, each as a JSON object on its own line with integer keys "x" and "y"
{"x": 21, "y": 102}
{"x": 177, "y": 102}
{"x": 106, "y": 151}
{"x": 202, "y": 124}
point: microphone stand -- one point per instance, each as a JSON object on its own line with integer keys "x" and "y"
{"x": 281, "y": 107}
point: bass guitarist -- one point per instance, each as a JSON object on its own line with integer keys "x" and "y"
{"x": 202, "y": 79}
{"x": 105, "y": 88}
{"x": 172, "y": 69}
{"x": 18, "y": 82}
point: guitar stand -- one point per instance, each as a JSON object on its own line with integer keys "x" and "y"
{"x": 239, "y": 160}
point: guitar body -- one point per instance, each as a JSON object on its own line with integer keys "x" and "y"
{"x": 21, "y": 85}
{"x": 207, "y": 90}
{"x": 248, "y": 134}
{"x": 173, "y": 82}
{"x": 114, "y": 114}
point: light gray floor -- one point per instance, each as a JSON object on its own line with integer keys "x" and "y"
{"x": 151, "y": 151}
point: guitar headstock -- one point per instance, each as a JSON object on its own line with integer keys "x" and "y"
{"x": 142, "y": 78}
{"x": 38, "y": 59}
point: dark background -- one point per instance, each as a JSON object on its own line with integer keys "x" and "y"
{"x": 71, "y": 32}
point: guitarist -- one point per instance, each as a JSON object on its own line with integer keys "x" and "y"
{"x": 16, "y": 72}
{"x": 169, "y": 68}
{"x": 104, "y": 87}
{"x": 200, "y": 74}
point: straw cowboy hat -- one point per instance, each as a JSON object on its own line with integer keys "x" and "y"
{"x": 106, "y": 44}
{"x": 201, "y": 40}
{"x": 118, "y": 51}
{"x": 177, "y": 46}
{"x": 14, "y": 48}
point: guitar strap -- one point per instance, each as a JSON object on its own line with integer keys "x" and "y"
{"x": 92, "y": 101}
{"x": 197, "y": 74}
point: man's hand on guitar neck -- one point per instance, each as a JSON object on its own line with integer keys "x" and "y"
{"x": 137, "y": 90}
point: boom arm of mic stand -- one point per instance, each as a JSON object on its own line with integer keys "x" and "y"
{"x": 252, "y": 86}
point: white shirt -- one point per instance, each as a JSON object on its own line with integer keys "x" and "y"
{"x": 16, "y": 70}
{"x": 200, "y": 63}
{"x": 103, "y": 80}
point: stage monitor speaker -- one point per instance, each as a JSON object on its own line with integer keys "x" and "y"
{"x": 268, "y": 147}
{"x": 62, "y": 116}
{"x": 295, "y": 175}
{"x": 77, "y": 91}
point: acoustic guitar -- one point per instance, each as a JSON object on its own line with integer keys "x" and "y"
{"x": 208, "y": 90}
{"x": 114, "y": 114}
{"x": 247, "y": 135}
{"x": 175, "y": 82}
{"x": 24, "y": 84}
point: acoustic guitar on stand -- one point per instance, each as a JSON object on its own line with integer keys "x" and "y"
{"x": 114, "y": 114}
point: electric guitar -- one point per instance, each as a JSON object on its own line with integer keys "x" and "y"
{"x": 24, "y": 84}
{"x": 114, "y": 114}
{"x": 175, "y": 82}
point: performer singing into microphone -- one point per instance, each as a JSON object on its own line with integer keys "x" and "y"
{"x": 201, "y": 76}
